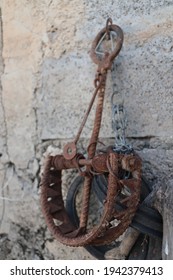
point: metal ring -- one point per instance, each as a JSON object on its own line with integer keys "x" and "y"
{"x": 100, "y": 35}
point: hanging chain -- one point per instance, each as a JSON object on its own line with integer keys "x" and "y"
{"x": 119, "y": 117}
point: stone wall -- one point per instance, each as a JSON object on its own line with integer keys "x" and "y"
{"x": 46, "y": 84}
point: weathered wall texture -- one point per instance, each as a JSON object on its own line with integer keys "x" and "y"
{"x": 46, "y": 84}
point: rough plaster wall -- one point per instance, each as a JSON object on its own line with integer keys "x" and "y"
{"x": 46, "y": 84}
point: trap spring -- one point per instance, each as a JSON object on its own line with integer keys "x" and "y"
{"x": 113, "y": 164}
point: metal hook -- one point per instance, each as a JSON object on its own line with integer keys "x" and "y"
{"x": 108, "y": 23}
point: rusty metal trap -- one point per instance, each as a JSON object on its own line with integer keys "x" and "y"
{"x": 112, "y": 174}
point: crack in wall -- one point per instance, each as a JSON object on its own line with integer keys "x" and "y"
{"x": 38, "y": 88}
{"x": 8, "y": 166}
{"x": 5, "y": 144}
{"x": 1, "y": 87}
{"x": 38, "y": 140}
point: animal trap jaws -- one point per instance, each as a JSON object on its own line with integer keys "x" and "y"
{"x": 105, "y": 232}
{"x": 51, "y": 184}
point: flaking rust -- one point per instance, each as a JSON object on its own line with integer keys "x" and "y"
{"x": 108, "y": 162}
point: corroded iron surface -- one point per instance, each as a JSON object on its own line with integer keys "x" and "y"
{"x": 109, "y": 162}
